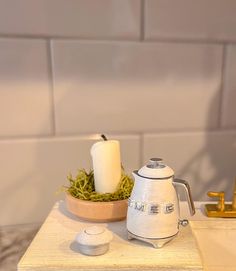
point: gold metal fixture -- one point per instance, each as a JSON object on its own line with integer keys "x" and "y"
{"x": 221, "y": 209}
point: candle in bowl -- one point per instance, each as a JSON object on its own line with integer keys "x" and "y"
{"x": 106, "y": 165}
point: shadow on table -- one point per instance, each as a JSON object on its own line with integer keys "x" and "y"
{"x": 118, "y": 228}
{"x": 62, "y": 208}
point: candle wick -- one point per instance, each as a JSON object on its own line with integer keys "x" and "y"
{"x": 104, "y": 137}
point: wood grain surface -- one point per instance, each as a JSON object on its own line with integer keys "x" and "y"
{"x": 54, "y": 248}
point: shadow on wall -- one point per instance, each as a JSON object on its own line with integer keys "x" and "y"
{"x": 213, "y": 166}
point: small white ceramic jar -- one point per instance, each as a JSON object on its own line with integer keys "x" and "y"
{"x": 94, "y": 240}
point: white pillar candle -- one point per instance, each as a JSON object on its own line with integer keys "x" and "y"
{"x": 106, "y": 165}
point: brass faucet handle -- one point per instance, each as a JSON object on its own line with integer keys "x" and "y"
{"x": 221, "y": 196}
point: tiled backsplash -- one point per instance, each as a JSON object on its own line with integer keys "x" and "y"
{"x": 158, "y": 75}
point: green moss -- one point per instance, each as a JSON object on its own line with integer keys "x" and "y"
{"x": 82, "y": 187}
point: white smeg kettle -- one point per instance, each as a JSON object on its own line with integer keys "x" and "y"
{"x": 153, "y": 211}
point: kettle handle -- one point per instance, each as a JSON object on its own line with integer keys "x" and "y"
{"x": 185, "y": 185}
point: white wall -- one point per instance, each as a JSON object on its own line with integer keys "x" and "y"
{"x": 158, "y": 75}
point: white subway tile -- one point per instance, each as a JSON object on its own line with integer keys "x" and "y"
{"x": 229, "y": 93}
{"x": 129, "y": 87}
{"x": 202, "y": 19}
{"x": 74, "y": 18}
{"x": 25, "y": 98}
{"x": 205, "y": 160}
{"x": 32, "y": 171}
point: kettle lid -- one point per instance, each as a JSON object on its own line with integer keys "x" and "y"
{"x": 156, "y": 169}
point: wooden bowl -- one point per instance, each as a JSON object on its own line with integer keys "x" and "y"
{"x": 97, "y": 211}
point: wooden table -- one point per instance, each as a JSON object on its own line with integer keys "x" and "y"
{"x": 206, "y": 244}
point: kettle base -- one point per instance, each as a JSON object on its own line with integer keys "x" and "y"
{"x": 155, "y": 242}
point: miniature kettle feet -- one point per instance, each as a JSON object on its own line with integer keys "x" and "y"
{"x": 155, "y": 242}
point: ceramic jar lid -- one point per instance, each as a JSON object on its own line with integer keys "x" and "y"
{"x": 94, "y": 240}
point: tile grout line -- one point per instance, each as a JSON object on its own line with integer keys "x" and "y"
{"x": 73, "y": 38}
{"x": 191, "y": 41}
{"x": 141, "y": 151}
{"x": 221, "y": 92}
{"x": 50, "y": 64}
{"x": 170, "y": 40}
{"x": 142, "y": 20}
{"x": 87, "y": 135}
